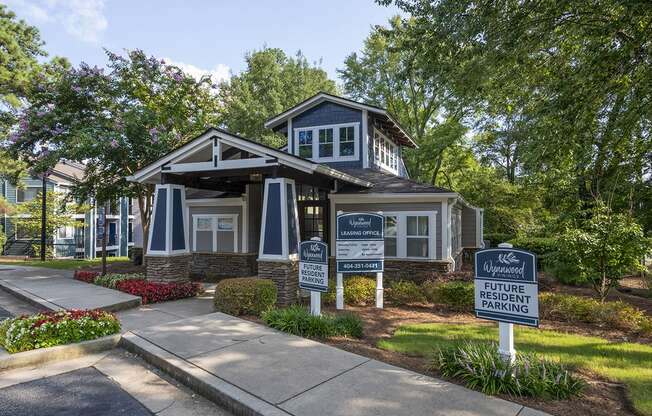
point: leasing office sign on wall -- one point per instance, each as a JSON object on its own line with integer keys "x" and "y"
{"x": 506, "y": 287}
{"x": 360, "y": 244}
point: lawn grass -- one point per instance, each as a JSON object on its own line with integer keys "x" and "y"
{"x": 624, "y": 362}
{"x": 62, "y": 264}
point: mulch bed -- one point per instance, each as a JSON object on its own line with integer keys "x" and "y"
{"x": 600, "y": 398}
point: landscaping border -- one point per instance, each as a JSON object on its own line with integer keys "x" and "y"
{"x": 58, "y": 352}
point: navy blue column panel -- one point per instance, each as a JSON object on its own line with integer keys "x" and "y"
{"x": 160, "y": 214}
{"x": 293, "y": 244}
{"x": 273, "y": 238}
{"x": 178, "y": 237}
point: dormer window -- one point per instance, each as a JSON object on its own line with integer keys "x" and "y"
{"x": 325, "y": 142}
{"x": 305, "y": 144}
{"x": 347, "y": 141}
{"x": 333, "y": 143}
{"x": 385, "y": 152}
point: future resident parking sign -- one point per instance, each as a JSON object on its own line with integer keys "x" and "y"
{"x": 313, "y": 266}
{"x": 506, "y": 286}
{"x": 360, "y": 244}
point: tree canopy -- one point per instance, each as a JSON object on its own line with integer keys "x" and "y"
{"x": 271, "y": 83}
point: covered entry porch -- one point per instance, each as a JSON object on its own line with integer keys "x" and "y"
{"x": 225, "y": 206}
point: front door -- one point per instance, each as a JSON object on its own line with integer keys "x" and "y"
{"x": 313, "y": 213}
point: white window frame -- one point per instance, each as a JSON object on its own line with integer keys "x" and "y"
{"x": 70, "y": 230}
{"x": 214, "y": 230}
{"x": 38, "y": 187}
{"x": 401, "y": 233}
{"x": 385, "y": 149}
{"x": 336, "y": 142}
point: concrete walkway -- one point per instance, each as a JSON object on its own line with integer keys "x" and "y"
{"x": 252, "y": 369}
{"x": 51, "y": 289}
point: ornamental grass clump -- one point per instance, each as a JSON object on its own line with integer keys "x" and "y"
{"x": 111, "y": 280}
{"x": 56, "y": 328}
{"x": 480, "y": 367}
{"x": 297, "y": 320}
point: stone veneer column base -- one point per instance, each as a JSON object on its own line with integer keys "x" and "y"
{"x": 285, "y": 274}
{"x": 417, "y": 271}
{"x": 213, "y": 267}
{"x": 175, "y": 268}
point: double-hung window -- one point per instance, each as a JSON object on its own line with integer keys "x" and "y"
{"x": 215, "y": 232}
{"x": 305, "y": 143}
{"x": 410, "y": 234}
{"x": 347, "y": 141}
{"x": 330, "y": 143}
{"x": 27, "y": 194}
{"x": 325, "y": 142}
{"x": 417, "y": 236}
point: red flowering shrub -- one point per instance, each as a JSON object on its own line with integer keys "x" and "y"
{"x": 152, "y": 292}
{"x": 85, "y": 275}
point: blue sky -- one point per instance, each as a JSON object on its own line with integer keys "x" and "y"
{"x": 203, "y": 36}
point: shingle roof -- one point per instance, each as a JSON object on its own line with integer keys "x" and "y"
{"x": 387, "y": 183}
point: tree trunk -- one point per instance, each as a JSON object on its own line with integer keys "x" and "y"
{"x": 104, "y": 226}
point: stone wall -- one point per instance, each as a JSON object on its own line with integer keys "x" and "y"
{"x": 173, "y": 268}
{"x": 286, "y": 276}
{"x": 414, "y": 270}
{"x": 213, "y": 267}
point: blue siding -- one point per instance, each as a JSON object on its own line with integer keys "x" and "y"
{"x": 158, "y": 232}
{"x": 330, "y": 113}
{"x": 273, "y": 232}
{"x": 178, "y": 237}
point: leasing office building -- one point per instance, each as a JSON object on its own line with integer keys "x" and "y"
{"x": 229, "y": 206}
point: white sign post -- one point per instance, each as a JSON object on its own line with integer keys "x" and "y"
{"x": 506, "y": 290}
{"x": 313, "y": 271}
{"x": 360, "y": 248}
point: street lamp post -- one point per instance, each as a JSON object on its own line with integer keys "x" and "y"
{"x": 44, "y": 205}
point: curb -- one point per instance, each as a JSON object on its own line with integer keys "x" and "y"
{"x": 46, "y": 305}
{"x": 28, "y": 297}
{"x": 232, "y": 398}
{"x": 57, "y": 353}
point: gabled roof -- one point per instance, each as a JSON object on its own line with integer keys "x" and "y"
{"x": 384, "y": 117}
{"x": 283, "y": 157}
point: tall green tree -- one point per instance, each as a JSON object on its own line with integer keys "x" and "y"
{"x": 271, "y": 83}
{"x": 116, "y": 121}
{"x": 389, "y": 72}
{"x": 577, "y": 71}
{"x": 21, "y": 48}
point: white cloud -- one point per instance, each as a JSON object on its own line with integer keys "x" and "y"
{"x": 83, "y": 19}
{"x": 219, "y": 72}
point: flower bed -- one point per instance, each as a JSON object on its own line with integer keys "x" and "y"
{"x": 152, "y": 292}
{"x": 135, "y": 284}
{"x": 85, "y": 275}
{"x": 56, "y": 328}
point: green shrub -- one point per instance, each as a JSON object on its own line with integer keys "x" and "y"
{"x": 574, "y": 309}
{"x": 497, "y": 238}
{"x": 541, "y": 246}
{"x": 111, "y": 280}
{"x": 358, "y": 290}
{"x": 404, "y": 292}
{"x": 457, "y": 295}
{"x": 245, "y": 296}
{"x": 563, "y": 271}
{"x": 55, "y": 328}
{"x": 297, "y": 320}
{"x": 480, "y": 367}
